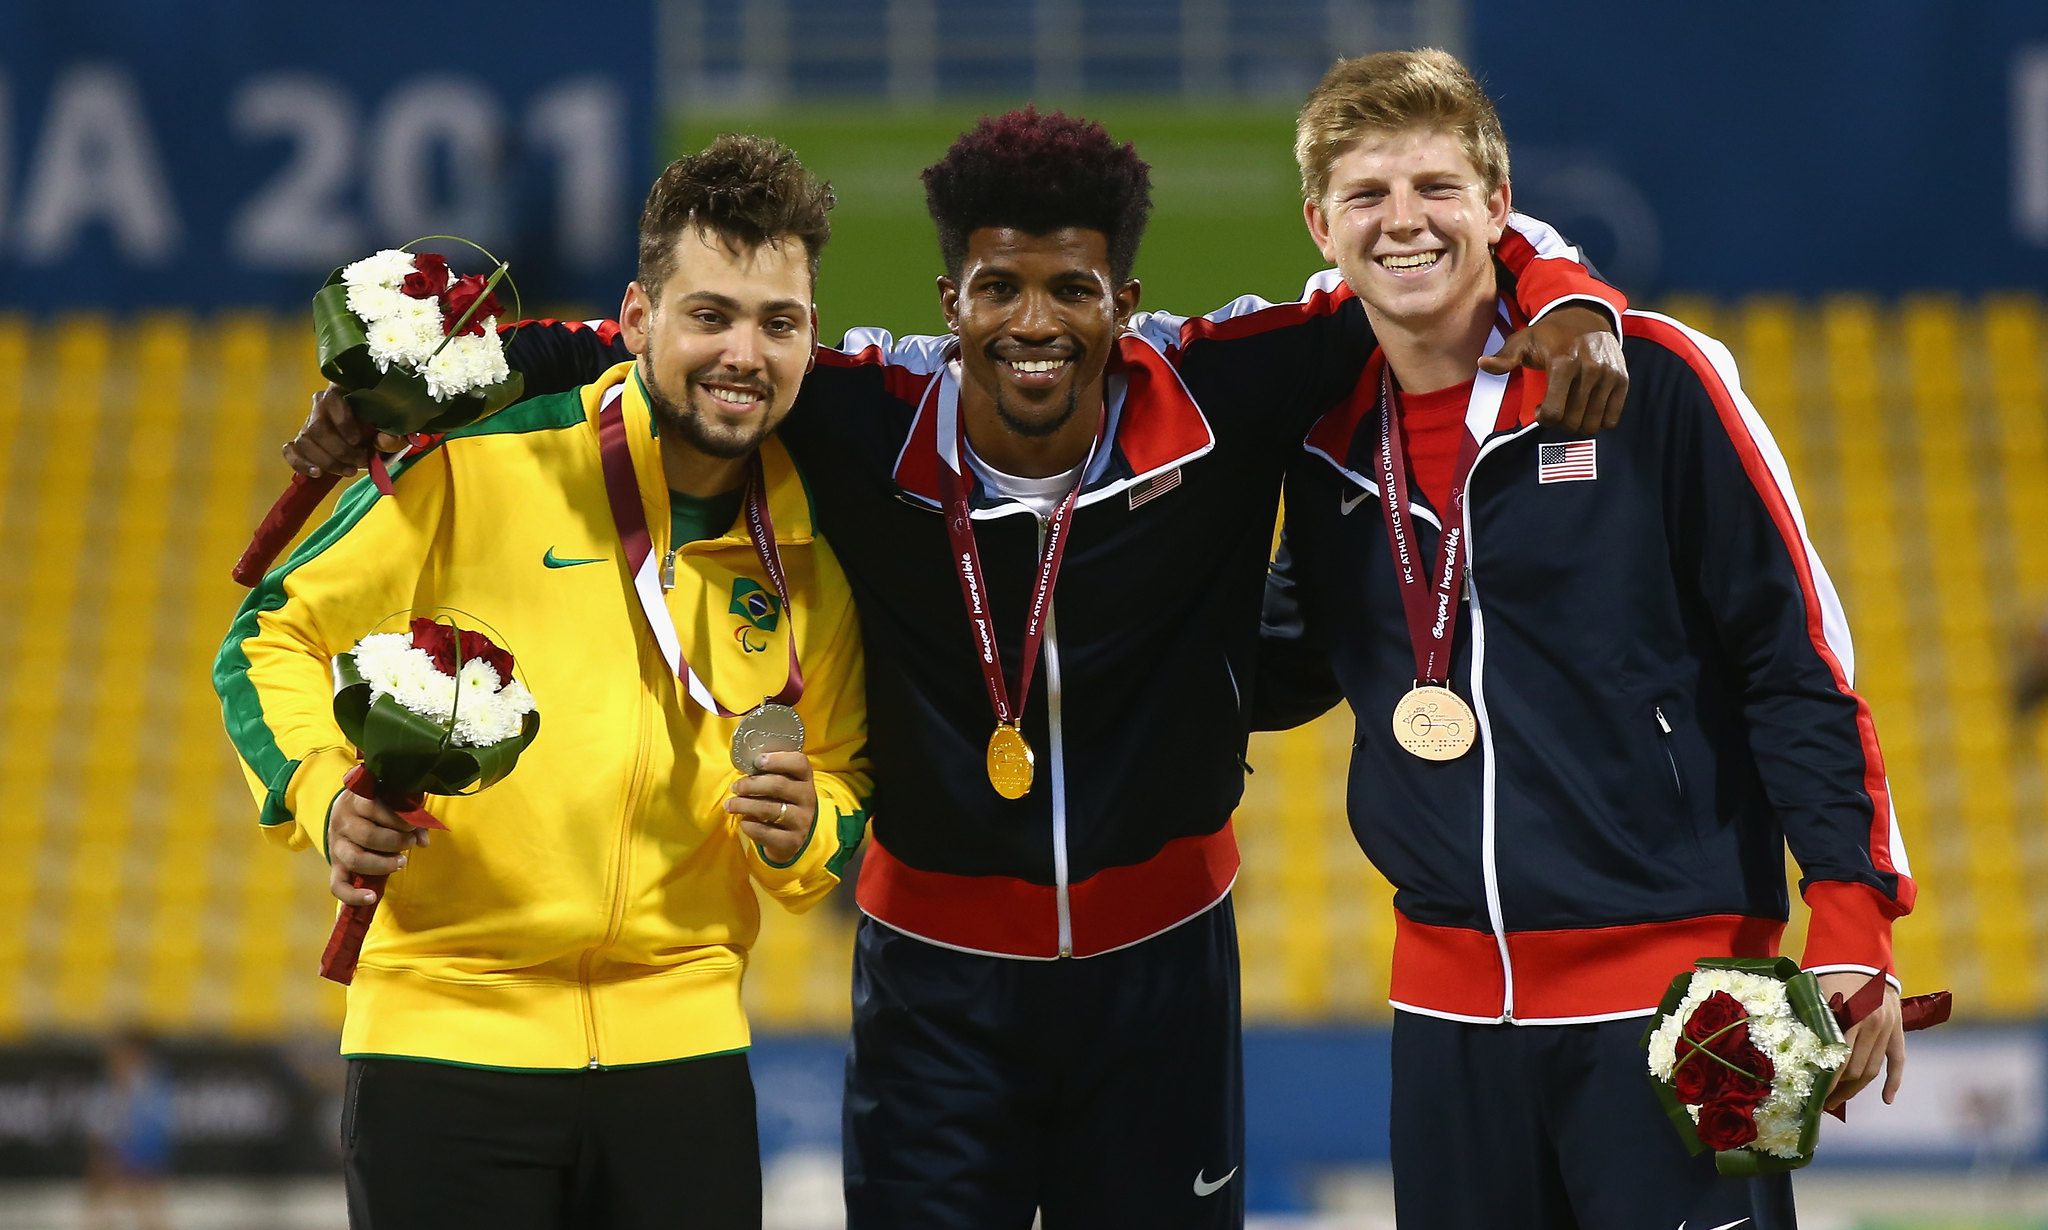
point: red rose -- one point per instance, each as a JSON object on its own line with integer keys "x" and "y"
{"x": 430, "y": 276}
{"x": 465, "y": 292}
{"x": 1749, "y": 1086}
{"x": 477, "y": 645}
{"x": 1720, "y": 1012}
{"x": 1689, "y": 1080}
{"x": 439, "y": 642}
{"x": 1726, "y": 1125}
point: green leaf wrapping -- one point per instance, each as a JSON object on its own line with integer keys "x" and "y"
{"x": 1688, "y": 1131}
{"x": 1802, "y": 991}
{"x": 394, "y": 401}
{"x": 408, "y": 753}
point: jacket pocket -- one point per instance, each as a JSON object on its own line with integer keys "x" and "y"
{"x": 1664, "y": 741}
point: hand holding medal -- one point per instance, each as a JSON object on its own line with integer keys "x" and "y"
{"x": 776, "y": 804}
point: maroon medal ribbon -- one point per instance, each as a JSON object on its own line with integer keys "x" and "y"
{"x": 967, "y": 562}
{"x": 623, "y": 492}
{"x": 973, "y": 587}
{"x": 1431, "y": 608}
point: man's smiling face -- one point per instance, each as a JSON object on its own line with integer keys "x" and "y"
{"x": 724, "y": 347}
{"x": 1411, "y": 224}
{"x": 1037, "y": 317}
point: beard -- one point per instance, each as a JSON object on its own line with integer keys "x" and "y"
{"x": 697, "y": 429}
{"x": 1037, "y": 429}
{"x": 1032, "y": 429}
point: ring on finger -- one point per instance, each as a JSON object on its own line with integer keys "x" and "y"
{"x": 781, "y": 813}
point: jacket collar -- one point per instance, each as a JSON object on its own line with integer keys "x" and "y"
{"x": 1347, "y": 436}
{"x": 789, "y": 504}
{"x": 1154, "y": 425}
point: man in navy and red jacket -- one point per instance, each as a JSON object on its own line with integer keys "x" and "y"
{"x": 1653, "y": 679}
{"x": 1046, "y": 988}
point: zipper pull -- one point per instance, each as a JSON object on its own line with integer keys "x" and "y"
{"x": 1661, "y": 723}
{"x": 668, "y": 571}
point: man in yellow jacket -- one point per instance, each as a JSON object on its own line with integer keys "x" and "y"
{"x": 545, "y": 1026}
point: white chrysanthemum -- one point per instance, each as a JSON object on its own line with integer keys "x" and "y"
{"x": 479, "y": 719}
{"x": 372, "y": 303}
{"x": 392, "y": 667}
{"x": 515, "y": 696}
{"x": 467, "y": 363}
{"x": 407, "y": 336}
{"x": 1778, "y": 1125}
{"x": 1664, "y": 1049}
{"x": 387, "y": 269}
{"x": 376, "y": 655}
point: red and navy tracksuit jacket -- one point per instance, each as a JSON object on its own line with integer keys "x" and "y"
{"x": 1661, "y": 674}
{"x": 1139, "y": 709}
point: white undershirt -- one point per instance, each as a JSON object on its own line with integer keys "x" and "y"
{"x": 1040, "y": 495}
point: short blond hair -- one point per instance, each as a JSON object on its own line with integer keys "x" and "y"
{"x": 1390, "y": 91}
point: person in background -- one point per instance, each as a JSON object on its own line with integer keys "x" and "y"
{"x": 129, "y": 1163}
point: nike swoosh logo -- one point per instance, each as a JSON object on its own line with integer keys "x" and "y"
{"x": 1740, "y": 1221}
{"x": 1205, "y": 1188}
{"x": 555, "y": 561}
{"x": 1345, "y": 506}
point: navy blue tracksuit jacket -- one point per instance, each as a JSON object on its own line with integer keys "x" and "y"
{"x": 1661, "y": 674}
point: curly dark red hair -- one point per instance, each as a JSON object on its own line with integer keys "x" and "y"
{"x": 1038, "y": 174}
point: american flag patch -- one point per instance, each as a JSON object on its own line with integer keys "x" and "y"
{"x": 1570, "y": 462}
{"x": 1158, "y": 484}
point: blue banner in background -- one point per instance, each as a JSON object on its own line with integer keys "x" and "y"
{"x": 1748, "y": 146}
{"x": 223, "y": 153}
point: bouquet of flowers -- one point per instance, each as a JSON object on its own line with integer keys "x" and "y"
{"x": 436, "y": 709}
{"x": 417, "y": 349}
{"x": 1743, "y": 1053}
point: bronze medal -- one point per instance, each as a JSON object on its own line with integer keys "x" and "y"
{"x": 1010, "y": 762}
{"x": 768, "y": 727}
{"x": 1435, "y": 723}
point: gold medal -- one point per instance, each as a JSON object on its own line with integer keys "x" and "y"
{"x": 1432, "y": 722}
{"x": 1010, "y": 762}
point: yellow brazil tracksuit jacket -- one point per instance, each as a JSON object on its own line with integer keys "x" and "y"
{"x": 595, "y": 907}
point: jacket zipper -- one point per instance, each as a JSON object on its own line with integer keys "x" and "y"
{"x": 1488, "y": 818}
{"x": 1677, "y": 783}
{"x": 616, "y": 915}
{"x": 1057, "y": 775}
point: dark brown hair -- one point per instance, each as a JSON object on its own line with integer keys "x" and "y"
{"x": 746, "y": 190}
{"x": 1039, "y": 173}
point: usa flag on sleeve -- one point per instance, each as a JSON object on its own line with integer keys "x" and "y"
{"x": 1569, "y": 462}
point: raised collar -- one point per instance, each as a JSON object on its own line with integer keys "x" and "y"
{"x": 1154, "y": 426}
{"x": 1347, "y": 436}
{"x": 788, "y": 502}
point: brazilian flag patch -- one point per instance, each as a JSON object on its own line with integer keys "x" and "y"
{"x": 760, "y": 608}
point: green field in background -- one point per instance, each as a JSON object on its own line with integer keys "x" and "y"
{"x": 1226, "y": 217}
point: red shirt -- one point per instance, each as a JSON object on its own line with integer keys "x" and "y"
{"x": 1432, "y": 431}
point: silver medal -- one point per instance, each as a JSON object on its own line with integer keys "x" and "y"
{"x": 768, "y": 728}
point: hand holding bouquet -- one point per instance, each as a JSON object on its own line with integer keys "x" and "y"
{"x": 1743, "y": 1053}
{"x": 433, "y": 710}
{"x": 417, "y": 349}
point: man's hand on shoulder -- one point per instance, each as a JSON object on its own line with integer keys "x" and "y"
{"x": 334, "y": 441}
{"x": 1577, "y": 348}
{"x": 1878, "y": 1041}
